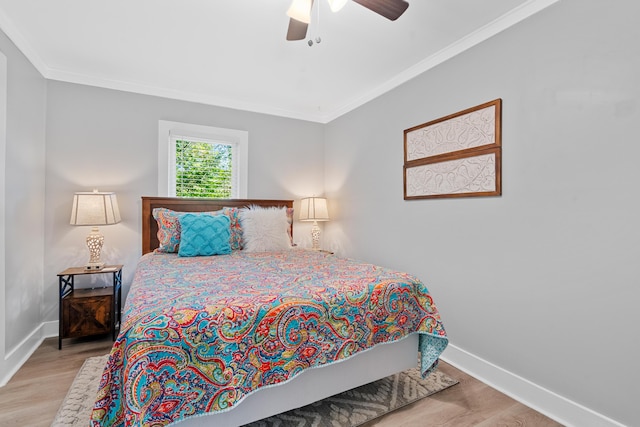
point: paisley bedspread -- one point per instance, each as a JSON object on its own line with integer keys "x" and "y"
{"x": 200, "y": 334}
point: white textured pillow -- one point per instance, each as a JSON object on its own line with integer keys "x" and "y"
{"x": 264, "y": 229}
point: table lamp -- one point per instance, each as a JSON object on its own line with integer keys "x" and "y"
{"x": 94, "y": 208}
{"x": 314, "y": 209}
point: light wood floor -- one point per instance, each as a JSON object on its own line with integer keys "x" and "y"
{"x": 33, "y": 395}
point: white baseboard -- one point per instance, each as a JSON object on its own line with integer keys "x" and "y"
{"x": 551, "y": 404}
{"x": 21, "y": 353}
{"x": 50, "y": 329}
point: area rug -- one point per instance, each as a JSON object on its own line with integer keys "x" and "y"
{"x": 349, "y": 409}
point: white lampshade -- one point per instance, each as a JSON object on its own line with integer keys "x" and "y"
{"x": 94, "y": 208}
{"x": 314, "y": 209}
{"x": 336, "y": 5}
{"x": 300, "y": 10}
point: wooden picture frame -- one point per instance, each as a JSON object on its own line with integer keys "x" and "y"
{"x": 459, "y": 155}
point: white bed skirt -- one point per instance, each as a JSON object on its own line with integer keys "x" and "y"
{"x": 316, "y": 384}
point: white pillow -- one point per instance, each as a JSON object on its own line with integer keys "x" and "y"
{"x": 264, "y": 229}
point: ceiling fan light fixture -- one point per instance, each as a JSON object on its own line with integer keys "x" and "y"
{"x": 336, "y": 5}
{"x": 300, "y": 10}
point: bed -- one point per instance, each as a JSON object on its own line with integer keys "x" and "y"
{"x": 229, "y": 339}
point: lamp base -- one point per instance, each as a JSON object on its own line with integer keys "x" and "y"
{"x": 94, "y": 266}
{"x": 95, "y": 241}
{"x": 315, "y": 236}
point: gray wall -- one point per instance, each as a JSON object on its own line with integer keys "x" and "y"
{"x": 542, "y": 281}
{"x": 107, "y": 139}
{"x": 23, "y": 203}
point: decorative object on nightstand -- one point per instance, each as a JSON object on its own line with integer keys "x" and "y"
{"x": 314, "y": 209}
{"x": 94, "y": 208}
{"x": 87, "y": 312}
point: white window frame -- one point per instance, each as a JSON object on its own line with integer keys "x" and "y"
{"x": 169, "y": 132}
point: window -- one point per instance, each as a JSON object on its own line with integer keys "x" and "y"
{"x": 202, "y": 168}
{"x": 201, "y": 161}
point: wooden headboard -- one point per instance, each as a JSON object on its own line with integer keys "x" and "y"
{"x": 180, "y": 204}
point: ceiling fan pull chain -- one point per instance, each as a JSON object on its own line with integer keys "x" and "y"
{"x": 318, "y": 39}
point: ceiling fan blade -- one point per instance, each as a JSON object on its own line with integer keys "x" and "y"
{"x": 390, "y": 9}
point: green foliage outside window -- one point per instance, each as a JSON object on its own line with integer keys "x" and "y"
{"x": 203, "y": 169}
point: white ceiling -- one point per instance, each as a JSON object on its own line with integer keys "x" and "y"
{"x": 233, "y": 53}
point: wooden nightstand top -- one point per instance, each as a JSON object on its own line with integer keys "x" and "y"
{"x": 75, "y": 271}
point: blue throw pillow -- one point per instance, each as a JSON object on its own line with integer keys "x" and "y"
{"x": 204, "y": 235}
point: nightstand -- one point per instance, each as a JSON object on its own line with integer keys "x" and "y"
{"x": 87, "y": 312}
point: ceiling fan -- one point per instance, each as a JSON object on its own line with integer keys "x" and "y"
{"x": 300, "y": 13}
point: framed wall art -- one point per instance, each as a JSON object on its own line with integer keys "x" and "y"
{"x": 459, "y": 155}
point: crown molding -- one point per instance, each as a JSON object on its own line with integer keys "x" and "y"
{"x": 144, "y": 89}
{"x": 6, "y": 25}
{"x": 500, "y": 24}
